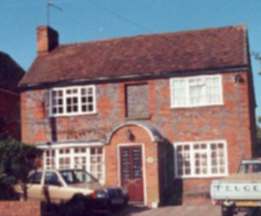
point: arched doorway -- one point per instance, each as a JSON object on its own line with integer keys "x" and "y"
{"x": 132, "y": 161}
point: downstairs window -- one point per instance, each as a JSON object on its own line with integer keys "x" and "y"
{"x": 87, "y": 158}
{"x": 200, "y": 159}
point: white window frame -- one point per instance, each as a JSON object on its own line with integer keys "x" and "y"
{"x": 72, "y": 154}
{"x": 79, "y": 112}
{"x": 192, "y": 159}
{"x": 188, "y": 104}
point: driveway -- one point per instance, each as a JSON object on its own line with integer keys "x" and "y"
{"x": 191, "y": 210}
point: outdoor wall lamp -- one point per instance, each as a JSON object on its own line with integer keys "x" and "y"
{"x": 239, "y": 79}
{"x": 130, "y": 135}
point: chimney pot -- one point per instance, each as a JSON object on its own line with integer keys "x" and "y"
{"x": 47, "y": 39}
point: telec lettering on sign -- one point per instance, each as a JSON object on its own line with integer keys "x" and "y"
{"x": 238, "y": 188}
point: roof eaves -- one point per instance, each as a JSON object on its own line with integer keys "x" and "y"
{"x": 147, "y": 75}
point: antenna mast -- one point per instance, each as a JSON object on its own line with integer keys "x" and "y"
{"x": 48, "y": 10}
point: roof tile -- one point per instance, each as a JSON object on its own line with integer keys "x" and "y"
{"x": 144, "y": 54}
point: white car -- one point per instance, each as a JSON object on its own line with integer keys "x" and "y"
{"x": 60, "y": 186}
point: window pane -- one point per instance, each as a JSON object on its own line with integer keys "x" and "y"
{"x": 179, "y": 91}
{"x": 183, "y": 162}
{"x": 217, "y": 157}
{"x": 97, "y": 163}
{"x": 57, "y": 101}
{"x": 72, "y": 100}
{"x": 86, "y": 158}
{"x": 87, "y": 100}
{"x": 196, "y": 91}
{"x": 213, "y": 90}
{"x": 64, "y": 163}
{"x": 90, "y": 99}
{"x": 72, "y": 104}
{"x": 200, "y": 159}
{"x": 90, "y": 108}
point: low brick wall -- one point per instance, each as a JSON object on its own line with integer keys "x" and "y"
{"x": 17, "y": 208}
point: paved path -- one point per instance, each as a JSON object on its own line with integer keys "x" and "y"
{"x": 204, "y": 210}
{"x": 192, "y": 210}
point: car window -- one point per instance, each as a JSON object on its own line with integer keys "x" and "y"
{"x": 51, "y": 178}
{"x": 35, "y": 177}
{"x": 69, "y": 177}
{"x": 250, "y": 168}
{"x": 77, "y": 176}
{"x": 257, "y": 168}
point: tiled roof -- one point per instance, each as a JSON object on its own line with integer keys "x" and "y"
{"x": 142, "y": 55}
{"x": 10, "y": 72}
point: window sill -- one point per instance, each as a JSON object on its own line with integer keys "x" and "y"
{"x": 198, "y": 106}
{"x": 201, "y": 177}
{"x": 73, "y": 115}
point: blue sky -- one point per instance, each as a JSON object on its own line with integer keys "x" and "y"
{"x": 83, "y": 20}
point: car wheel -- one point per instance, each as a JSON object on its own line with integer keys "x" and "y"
{"x": 126, "y": 201}
{"x": 77, "y": 206}
{"x": 77, "y": 198}
{"x": 227, "y": 211}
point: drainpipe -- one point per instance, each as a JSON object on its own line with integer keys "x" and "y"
{"x": 239, "y": 81}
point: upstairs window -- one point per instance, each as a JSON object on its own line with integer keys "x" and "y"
{"x": 196, "y": 91}
{"x": 72, "y": 100}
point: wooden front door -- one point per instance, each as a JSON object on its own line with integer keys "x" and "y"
{"x": 131, "y": 172}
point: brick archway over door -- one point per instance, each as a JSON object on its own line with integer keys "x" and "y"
{"x": 135, "y": 135}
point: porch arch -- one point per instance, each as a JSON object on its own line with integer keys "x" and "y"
{"x": 153, "y": 133}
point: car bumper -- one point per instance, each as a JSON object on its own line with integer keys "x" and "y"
{"x": 117, "y": 197}
{"x": 106, "y": 203}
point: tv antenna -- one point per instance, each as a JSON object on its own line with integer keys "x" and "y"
{"x": 50, "y": 5}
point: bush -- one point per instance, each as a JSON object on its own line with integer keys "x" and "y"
{"x": 16, "y": 160}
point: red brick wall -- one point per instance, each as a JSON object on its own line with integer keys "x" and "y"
{"x": 232, "y": 121}
{"x": 16, "y": 208}
{"x": 10, "y": 113}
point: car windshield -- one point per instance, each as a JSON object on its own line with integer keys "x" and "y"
{"x": 250, "y": 167}
{"x": 77, "y": 177}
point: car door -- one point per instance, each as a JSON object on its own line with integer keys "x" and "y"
{"x": 55, "y": 189}
{"x": 35, "y": 186}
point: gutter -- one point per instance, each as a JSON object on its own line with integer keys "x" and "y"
{"x": 156, "y": 75}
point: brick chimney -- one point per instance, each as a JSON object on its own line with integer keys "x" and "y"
{"x": 47, "y": 39}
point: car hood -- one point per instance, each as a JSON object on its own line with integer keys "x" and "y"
{"x": 91, "y": 186}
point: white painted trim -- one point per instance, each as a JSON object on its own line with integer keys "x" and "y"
{"x": 104, "y": 166}
{"x": 152, "y": 136}
{"x": 79, "y": 112}
{"x": 172, "y": 104}
{"x": 72, "y": 154}
{"x": 67, "y": 145}
{"x": 208, "y": 143}
{"x": 144, "y": 170}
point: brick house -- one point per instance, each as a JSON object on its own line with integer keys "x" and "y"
{"x": 10, "y": 75}
{"x": 161, "y": 115}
